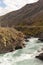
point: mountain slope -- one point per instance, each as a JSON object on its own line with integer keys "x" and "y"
{"x": 25, "y": 14}
{"x": 28, "y": 19}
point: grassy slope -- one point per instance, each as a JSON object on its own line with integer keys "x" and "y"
{"x": 9, "y": 39}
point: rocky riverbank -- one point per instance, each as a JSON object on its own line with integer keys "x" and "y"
{"x": 32, "y": 31}
{"x": 10, "y": 40}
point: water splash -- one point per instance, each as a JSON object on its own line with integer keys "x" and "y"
{"x": 23, "y": 56}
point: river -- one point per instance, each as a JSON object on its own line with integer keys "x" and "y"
{"x": 25, "y": 56}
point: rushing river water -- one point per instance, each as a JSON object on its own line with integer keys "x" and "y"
{"x": 25, "y": 56}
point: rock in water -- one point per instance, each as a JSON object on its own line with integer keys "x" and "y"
{"x": 41, "y": 39}
{"x": 40, "y": 56}
{"x": 41, "y": 36}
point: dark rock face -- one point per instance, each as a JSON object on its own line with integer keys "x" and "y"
{"x": 26, "y": 40}
{"x": 40, "y": 56}
{"x": 41, "y": 39}
{"x": 41, "y": 36}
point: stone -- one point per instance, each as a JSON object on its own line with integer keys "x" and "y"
{"x": 40, "y": 56}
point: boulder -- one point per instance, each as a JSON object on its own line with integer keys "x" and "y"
{"x": 41, "y": 39}
{"x": 41, "y": 36}
{"x": 40, "y": 56}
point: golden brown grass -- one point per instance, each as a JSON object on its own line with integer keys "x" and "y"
{"x": 10, "y": 39}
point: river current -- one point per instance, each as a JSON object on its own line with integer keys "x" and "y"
{"x": 25, "y": 56}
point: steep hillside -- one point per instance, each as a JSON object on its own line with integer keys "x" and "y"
{"x": 23, "y": 15}
{"x": 30, "y": 16}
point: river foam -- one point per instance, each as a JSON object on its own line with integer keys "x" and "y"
{"x": 23, "y": 56}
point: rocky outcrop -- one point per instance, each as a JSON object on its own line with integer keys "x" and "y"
{"x": 10, "y": 40}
